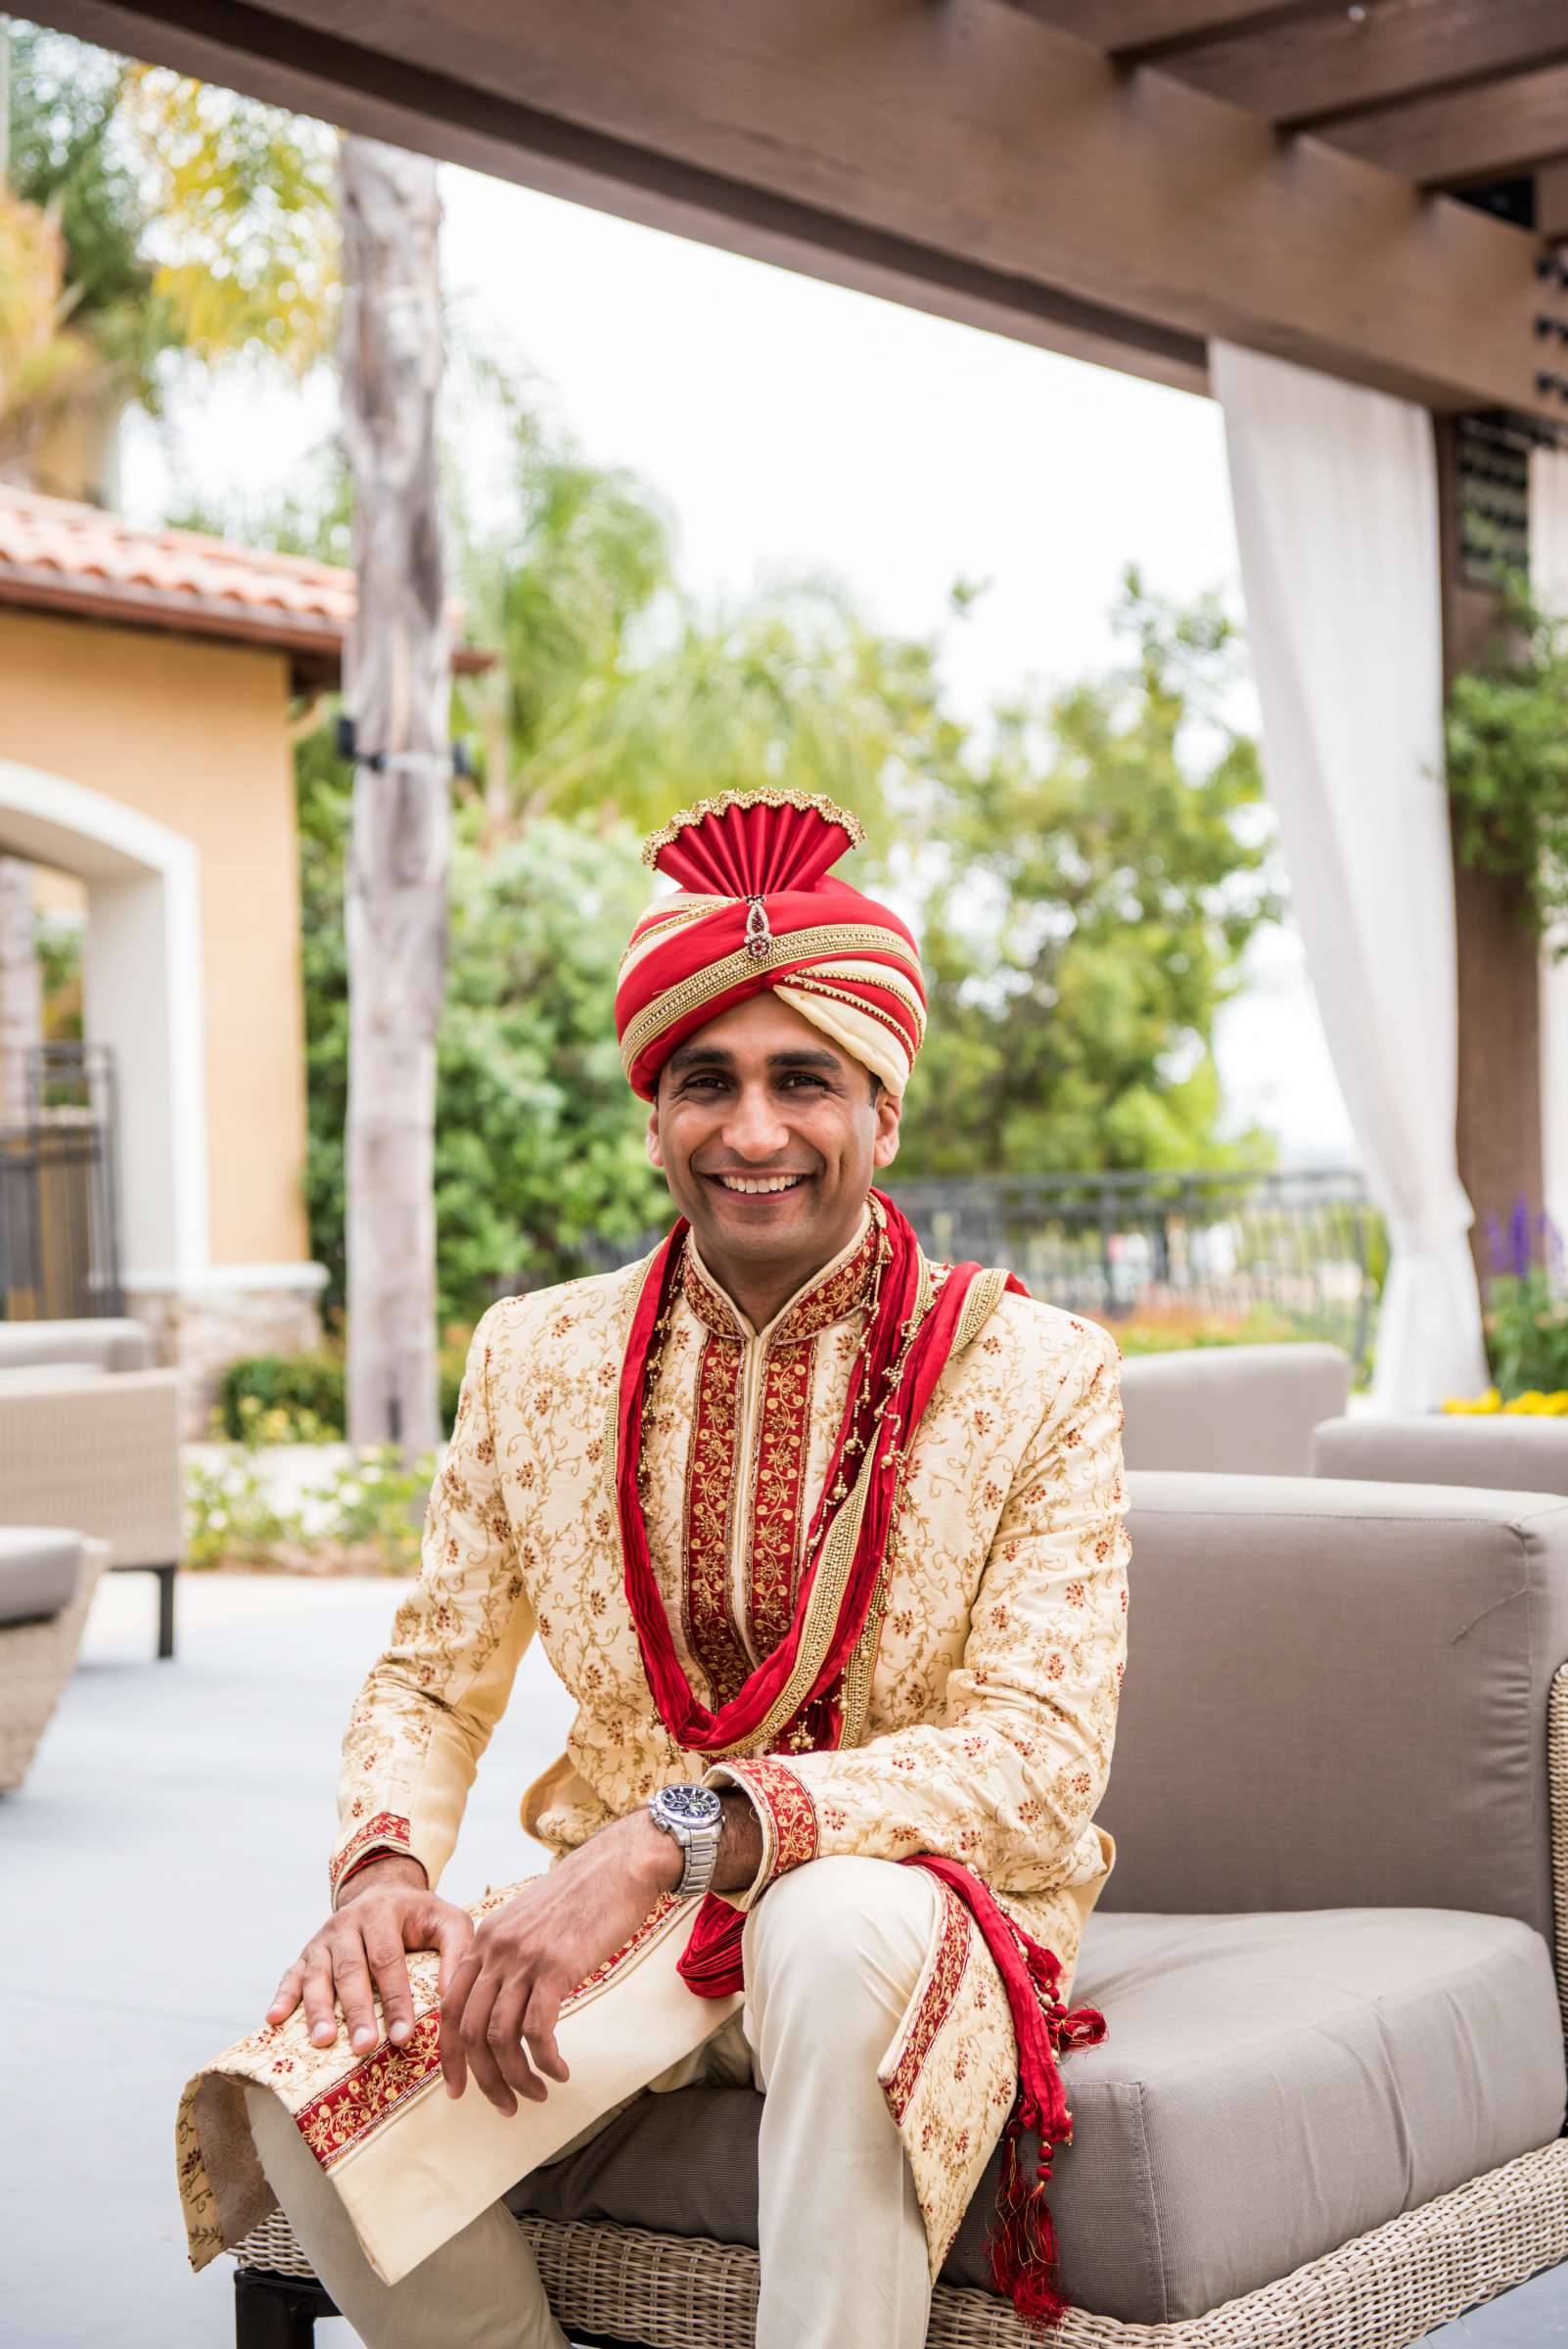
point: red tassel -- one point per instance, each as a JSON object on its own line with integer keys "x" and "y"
{"x": 1022, "y": 2248}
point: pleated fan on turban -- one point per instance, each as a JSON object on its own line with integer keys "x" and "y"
{"x": 759, "y": 909}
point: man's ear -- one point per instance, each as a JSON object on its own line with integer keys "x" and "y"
{"x": 890, "y": 1109}
{"x": 656, "y": 1155}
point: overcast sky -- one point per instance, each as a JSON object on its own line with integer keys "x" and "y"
{"x": 794, "y": 426}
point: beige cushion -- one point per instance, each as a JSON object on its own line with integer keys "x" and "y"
{"x": 1247, "y": 1411}
{"x": 114, "y": 1343}
{"x": 1507, "y": 1453}
{"x": 40, "y": 1567}
{"x": 1270, "y": 2087}
{"x": 1336, "y": 1696}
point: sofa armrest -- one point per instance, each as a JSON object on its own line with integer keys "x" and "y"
{"x": 98, "y": 1453}
{"x": 1507, "y": 1453}
{"x": 1243, "y": 1410}
{"x": 1341, "y": 1695}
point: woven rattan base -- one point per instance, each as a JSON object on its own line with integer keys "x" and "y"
{"x": 1382, "y": 2291}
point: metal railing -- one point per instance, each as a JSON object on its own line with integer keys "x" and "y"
{"x": 58, "y": 1214}
{"x": 1293, "y": 1254}
{"x": 1272, "y": 1255}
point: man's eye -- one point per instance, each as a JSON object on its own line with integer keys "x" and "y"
{"x": 818, "y": 1085}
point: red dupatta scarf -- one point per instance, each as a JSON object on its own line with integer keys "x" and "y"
{"x": 793, "y": 1696}
{"x": 905, "y": 1351}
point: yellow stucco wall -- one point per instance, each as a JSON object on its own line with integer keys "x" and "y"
{"x": 192, "y": 733}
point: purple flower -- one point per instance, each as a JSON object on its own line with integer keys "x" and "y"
{"x": 1513, "y": 1246}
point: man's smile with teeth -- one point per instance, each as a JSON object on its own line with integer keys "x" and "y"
{"x": 749, "y": 1184}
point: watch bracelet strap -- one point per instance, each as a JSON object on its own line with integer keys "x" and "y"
{"x": 699, "y": 1860}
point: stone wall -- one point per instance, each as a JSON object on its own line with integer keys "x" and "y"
{"x": 200, "y": 1329}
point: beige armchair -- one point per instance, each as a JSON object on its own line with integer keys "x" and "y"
{"x": 46, "y": 1580}
{"x": 98, "y": 1451}
{"x": 1333, "y": 1957}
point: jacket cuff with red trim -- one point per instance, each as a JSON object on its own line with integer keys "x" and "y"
{"x": 785, "y": 1812}
{"x": 377, "y": 1836}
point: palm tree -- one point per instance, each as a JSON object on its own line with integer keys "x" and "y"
{"x": 397, "y": 687}
{"x": 168, "y": 219}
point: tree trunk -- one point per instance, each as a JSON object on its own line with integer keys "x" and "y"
{"x": 20, "y": 988}
{"x": 398, "y": 689}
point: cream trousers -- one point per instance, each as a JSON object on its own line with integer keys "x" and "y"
{"x": 833, "y": 1953}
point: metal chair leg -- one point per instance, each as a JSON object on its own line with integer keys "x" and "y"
{"x": 166, "y": 1610}
{"x": 276, "y": 2312}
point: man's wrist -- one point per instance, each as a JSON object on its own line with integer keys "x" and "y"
{"x": 661, "y": 1862}
{"x": 378, "y": 1872}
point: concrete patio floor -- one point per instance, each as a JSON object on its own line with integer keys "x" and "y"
{"x": 160, "y": 1867}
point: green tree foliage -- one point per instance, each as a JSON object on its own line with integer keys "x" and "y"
{"x": 1087, "y": 871}
{"x": 1103, "y": 870}
{"x": 616, "y": 700}
{"x": 193, "y": 221}
{"x": 1507, "y": 758}
{"x": 539, "y": 1162}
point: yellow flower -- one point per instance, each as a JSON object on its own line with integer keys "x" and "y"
{"x": 1533, "y": 1405}
{"x": 1470, "y": 1406}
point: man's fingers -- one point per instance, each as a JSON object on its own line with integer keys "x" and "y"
{"x": 451, "y": 1931}
{"x": 286, "y": 1998}
{"x": 353, "y": 1978}
{"x": 454, "y": 1997}
{"x": 504, "y": 2039}
{"x": 475, "y": 2026}
{"x": 321, "y": 2012}
{"x": 539, "y": 2018}
{"x": 390, "y": 1967}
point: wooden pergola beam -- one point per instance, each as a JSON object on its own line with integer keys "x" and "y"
{"x": 1495, "y": 132}
{"x": 966, "y": 158}
{"x": 1308, "y": 74}
{"x": 1134, "y": 29}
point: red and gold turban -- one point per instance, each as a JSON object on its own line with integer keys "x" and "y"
{"x": 757, "y": 910}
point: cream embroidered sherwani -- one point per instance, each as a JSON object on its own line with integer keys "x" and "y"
{"x": 983, "y": 1727}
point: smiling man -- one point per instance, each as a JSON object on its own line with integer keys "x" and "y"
{"x": 826, "y": 1541}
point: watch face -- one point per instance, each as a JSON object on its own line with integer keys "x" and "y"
{"x": 691, "y": 1806}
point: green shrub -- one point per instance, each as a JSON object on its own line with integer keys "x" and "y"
{"x": 1527, "y": 1333}
{"x": 299, "y": 1398}
{"x": 374, "y": 1505}
{"x": 230, "y": 1517}
{"x": 283, "y": 1398}
{"x": 366, "y": 1517}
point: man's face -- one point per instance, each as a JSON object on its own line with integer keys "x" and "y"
{"x": 769, "y": 1138}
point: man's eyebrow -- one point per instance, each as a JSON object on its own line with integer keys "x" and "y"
{"x": 700, "y": 1056}
{"x": 686, "y": 1057}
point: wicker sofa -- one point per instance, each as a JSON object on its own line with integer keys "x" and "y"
{"x": 97, "y": 1448}
{"x": 46, "y": 1580}
{"x": 1244, "y": 1411}
{"x": 1328, "y": 2113}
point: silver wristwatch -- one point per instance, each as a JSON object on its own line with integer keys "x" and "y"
{"x": 695, "y": 1817}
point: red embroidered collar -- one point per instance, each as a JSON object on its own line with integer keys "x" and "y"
{"x": 844, "y": 1288}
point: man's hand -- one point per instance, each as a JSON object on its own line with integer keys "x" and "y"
{"x": 387, "y": 1908}
{"x": 506, "y": 1991}
{"x": 526, "y": 1957}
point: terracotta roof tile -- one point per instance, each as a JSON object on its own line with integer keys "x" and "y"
{"x": 58, "y": 555}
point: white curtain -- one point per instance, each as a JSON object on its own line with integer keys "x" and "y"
{"x": 1335, "y": 493}
{"x": 1548, "y": 573}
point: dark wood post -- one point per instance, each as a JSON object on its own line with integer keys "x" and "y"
{"x": 1498, "y": 1128}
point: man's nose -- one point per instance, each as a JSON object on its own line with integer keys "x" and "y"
{"x": 754, "y": 1128}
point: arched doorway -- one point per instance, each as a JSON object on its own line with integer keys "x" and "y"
{"x": 143, "y": 999}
